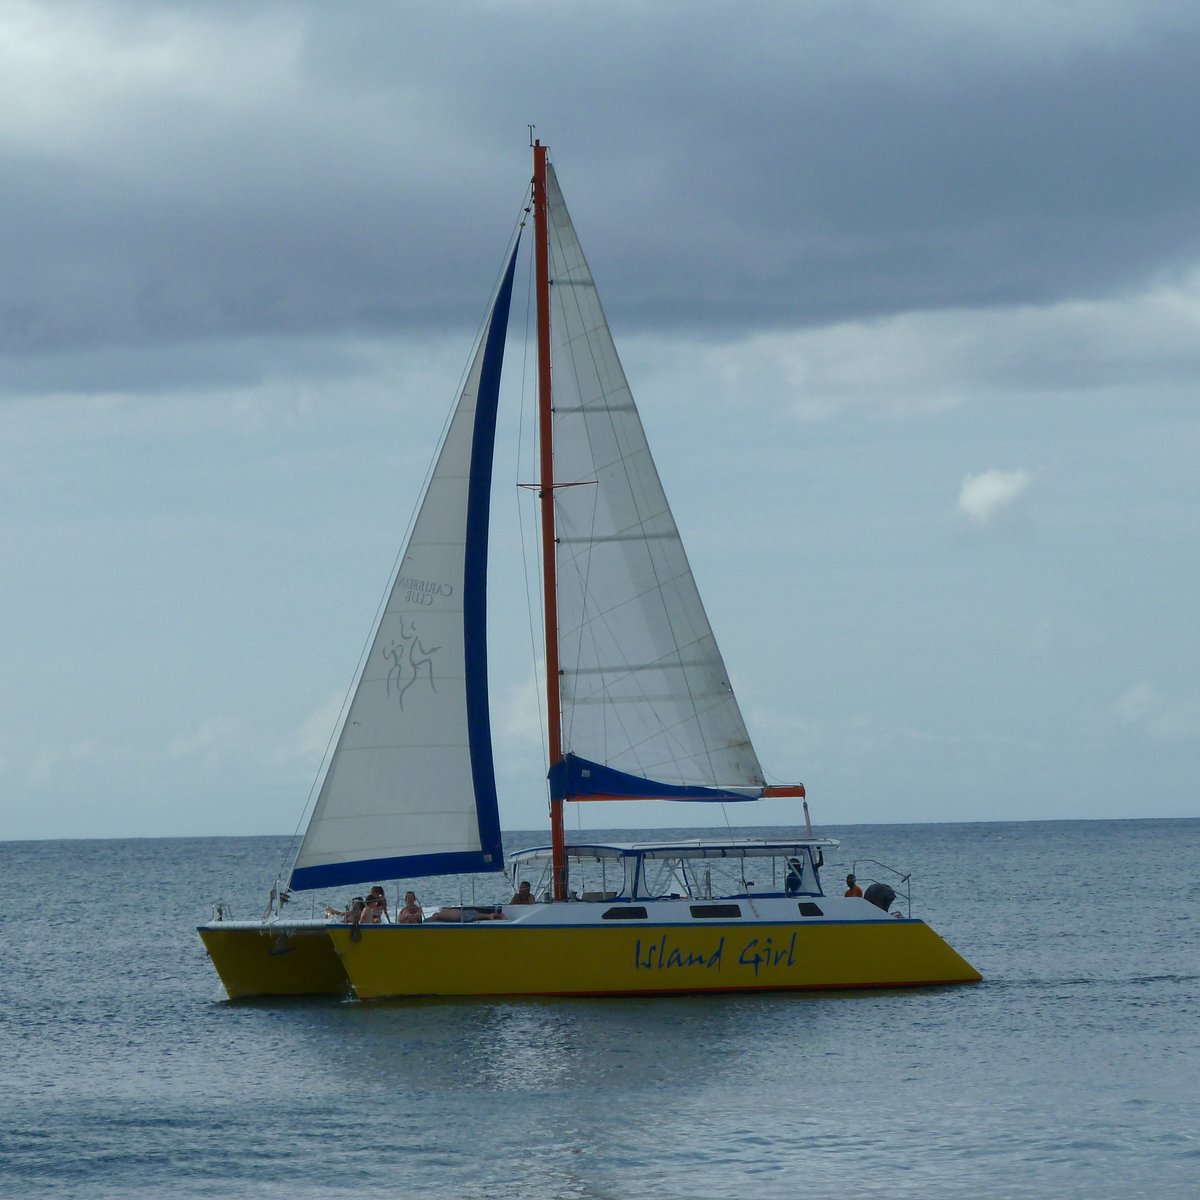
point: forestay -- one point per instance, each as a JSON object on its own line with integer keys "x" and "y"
{"x": 410, "y": 788}
{"x": 647, "y": 706}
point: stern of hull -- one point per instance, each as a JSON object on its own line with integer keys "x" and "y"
{"x": 274, "y": 960}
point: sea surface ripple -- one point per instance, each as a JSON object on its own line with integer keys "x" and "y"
{"x": 1072, "y": 1071}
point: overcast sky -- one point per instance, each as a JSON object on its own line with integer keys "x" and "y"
{"x": 909, "y": 295}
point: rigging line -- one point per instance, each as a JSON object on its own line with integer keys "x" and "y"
{"x": 313, "y": 799}
{"x": 611, "y": 711}
{"x": 562, "y": 276}
{"x": 589, "y": 329}
{"x": 584, "y": 578}
{"x": 624, "y": 672}
{"x": 666, "y": 735}
{"x": 531, "y": 606}
{"x": 678, "y": 649}
{"x": 725, "y": 817}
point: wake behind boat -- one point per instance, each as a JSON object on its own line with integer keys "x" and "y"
{"x": 639, "y": 708}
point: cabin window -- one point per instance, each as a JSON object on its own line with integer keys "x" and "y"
{"x": 625, "y": 914}
{"x": 717, "y": 911}
{"x": 810, "y": 910}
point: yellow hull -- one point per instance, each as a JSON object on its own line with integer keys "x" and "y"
{"x": 275, "y": 960}
{"x": 493, "y": 958}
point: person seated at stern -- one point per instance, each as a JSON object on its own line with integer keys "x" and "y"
{"x": 522, "y": 895}
{"x": 411, "y": 913}
{"x": 375, "y": 909}
{"x": 351, "y": 913}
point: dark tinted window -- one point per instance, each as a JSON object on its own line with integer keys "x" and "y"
{"x": 625, "y": 914}
{"x": 810, "y": 910}
{"x": 716, "y": 910}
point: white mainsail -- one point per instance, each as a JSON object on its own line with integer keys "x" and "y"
{"x": 410, "y": 788}
{"x": 644, "y": 689}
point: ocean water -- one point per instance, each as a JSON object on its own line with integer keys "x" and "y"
{"x": 1072, "y": 1071}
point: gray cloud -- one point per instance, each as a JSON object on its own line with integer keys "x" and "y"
{"x": 211, "y": 174}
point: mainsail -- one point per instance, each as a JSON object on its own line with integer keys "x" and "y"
{"x": 410, "y": 788}
{"x": 647, "y": 709}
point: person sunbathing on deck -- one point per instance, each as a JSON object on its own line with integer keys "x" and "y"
{"x": 463, "y": 915}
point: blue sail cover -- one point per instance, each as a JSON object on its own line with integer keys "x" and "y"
{"x": 576, "y": 778}
{"x": 410, "y": 789}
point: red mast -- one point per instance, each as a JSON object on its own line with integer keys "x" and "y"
{"x": 546, "y": 497}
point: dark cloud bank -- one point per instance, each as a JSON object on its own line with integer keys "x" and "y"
{"x": 790, "y": 166}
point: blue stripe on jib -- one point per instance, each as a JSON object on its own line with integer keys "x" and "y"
{"x": 475, "y": 565}
{"x": 408, "y": 866}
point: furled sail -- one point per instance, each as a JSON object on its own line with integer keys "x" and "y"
{"x": 410, "y": 789}
{"x": 646, "y": 702}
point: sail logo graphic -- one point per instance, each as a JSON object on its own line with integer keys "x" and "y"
{"x": 423, "y": 591}
{"x": 411, "y": 660}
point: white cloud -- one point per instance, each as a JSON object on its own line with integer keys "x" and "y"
{"x": 308, "y": 744}
{"x": 983, "y": 497}
{"x": 923, "y": 363}
{"x": 519, "y": 716}
{"x": 223, "y": 739}
{"x": 49, "y": 759}
{"x": 1163, "y": 718}
{"x": 123, "y": 68}
{"x": 213, "y": 742}
{"x": 897, "y": 368}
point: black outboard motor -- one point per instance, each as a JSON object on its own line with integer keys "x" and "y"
{"x": 880, "y": 895}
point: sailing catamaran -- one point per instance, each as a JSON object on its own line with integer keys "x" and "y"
{"x": 639, "y": 707}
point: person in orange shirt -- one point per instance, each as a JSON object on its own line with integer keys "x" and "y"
{"x": 852, "y": 888}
